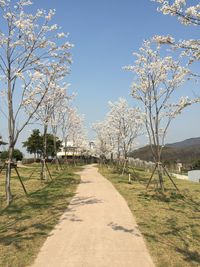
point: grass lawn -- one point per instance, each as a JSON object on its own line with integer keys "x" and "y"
{"x": 170, "y": 223}
{"x": 26, "y": 223}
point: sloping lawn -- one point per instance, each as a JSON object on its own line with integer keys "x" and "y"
{"x": 26, "y": 223}
{"x": 170, "y": 223}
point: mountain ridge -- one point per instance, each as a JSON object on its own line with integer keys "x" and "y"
{"x": 186, "y": 151}
{"x": 185, "y": 143}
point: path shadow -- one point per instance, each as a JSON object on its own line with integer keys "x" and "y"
{"x": 80, "y": 201}
{"x": 85, "y": 182}
{"x": 116, "y": 227}
{"x": 69, "y": 216}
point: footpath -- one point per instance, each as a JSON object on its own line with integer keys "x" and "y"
{"x": 97, "y": 230}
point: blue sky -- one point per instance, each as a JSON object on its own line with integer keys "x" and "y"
{"x": 105, "y": 33}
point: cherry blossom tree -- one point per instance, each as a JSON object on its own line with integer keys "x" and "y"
{"x": 46, "y": 112}
{"x": 126, "y": 125}
{"x": 117, "y": 134}
{"x": 156, "y": 80}
{"x": 104, "y": 142}
{"x": 59, "y": 119}
{"x": 77, "y": 132}
{"x": 28, "y": 54}
{"x": 73, "y": 130}
{"x": 67, "y": 124}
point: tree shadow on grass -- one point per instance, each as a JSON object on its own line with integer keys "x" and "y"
{"x": 182, "y": 244}
{"x": 180, "y": 218}
{"x": 189, "y": 255}
{"x": 178, "y": 200}
{"x": 29, "y": 218}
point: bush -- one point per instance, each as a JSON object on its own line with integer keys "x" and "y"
{"x": 196, "y": 165}
{"x": 17, "y": 154}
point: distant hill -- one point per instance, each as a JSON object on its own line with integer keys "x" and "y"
{"x": 187, "y": 152}
{"x": 186, "y": 143}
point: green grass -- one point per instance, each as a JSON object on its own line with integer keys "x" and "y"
{"x": 170, "y": 222}
{"x": 26, "y": 223}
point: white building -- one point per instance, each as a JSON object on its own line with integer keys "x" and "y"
{"x": 71, "y": 150}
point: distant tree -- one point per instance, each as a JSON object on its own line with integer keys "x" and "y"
{"x": 59, "y": 119}
{"x": 17, "y": 154}
{"x": 73, "y": 129}
{"x": 104, "y": 143}
{"x": 116, "y": 135}
{"x": 34, "y": 144}
{"x": 125, "y": 125}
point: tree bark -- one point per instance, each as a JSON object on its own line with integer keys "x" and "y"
{"x": 11, "y": 137}
{"x": 55, "y": 151}
{"x": 8, "y": 176}
{"x": 160, "y": 177}
{"x": 43, "y": 161}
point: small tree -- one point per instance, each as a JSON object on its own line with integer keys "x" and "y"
{"x": 157, "y": 78}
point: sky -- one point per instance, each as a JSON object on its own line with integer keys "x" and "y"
{"x": 104, "y": 34}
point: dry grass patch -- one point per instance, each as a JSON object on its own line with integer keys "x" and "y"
{"x": 26, "y": 223}
{"x": 170, "y": 222}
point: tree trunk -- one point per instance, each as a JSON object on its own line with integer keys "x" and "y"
{"x": 66, "y": 161}
{"x": 43, "y": 174}
{"x": 73, "y": 156}
{"x": 11, "y": 140}
{"x": 55, "y": 152}
{"x": 160, "y": 177}
{"x": 160, "y": 171}
{"x": 8, "y": 176}
{"x": 111, "y": 158}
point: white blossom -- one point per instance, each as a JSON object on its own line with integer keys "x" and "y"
{"x": 117, "y": 134}
{"x": 188, "y": 15}
{"x": 60, "y": 35}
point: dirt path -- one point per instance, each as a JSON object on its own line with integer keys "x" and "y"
{"x": 97, "y": 230}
